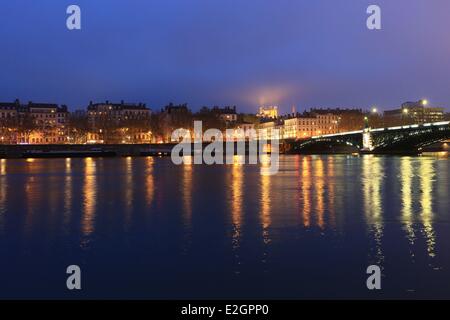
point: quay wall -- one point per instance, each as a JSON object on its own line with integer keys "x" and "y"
{"x": 93, "y": 150}
{"x": 121, "y": 150}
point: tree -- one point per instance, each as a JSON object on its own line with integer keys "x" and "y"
{"x": 210, "y": 119}
{"x": 26, "y": 125}
{"x": 135, "y": 126}
{"x": 78, "y": 128}
{"x": 8, "y": 130}
{"x": 156, "y": 126}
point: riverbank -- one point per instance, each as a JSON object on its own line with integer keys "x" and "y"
{"x": 136, "y": 150}
{"x": 83, "y": 150}
{"x": 97, "y": 150}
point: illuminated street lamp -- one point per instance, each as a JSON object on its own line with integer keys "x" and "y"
{"x": 366, "y": 123}
{"x": 424, "y": 102}
{"x": 374, "y": 110}
{"x": 405, "y": 111}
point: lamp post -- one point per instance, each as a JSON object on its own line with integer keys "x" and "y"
{"x": 374, "y": 117}
{"x": 366, "y": 122}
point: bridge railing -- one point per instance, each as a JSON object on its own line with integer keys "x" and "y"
{"x": 413, "y": 126}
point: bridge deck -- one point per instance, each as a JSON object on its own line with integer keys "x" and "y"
{"x": 413, "y": 126}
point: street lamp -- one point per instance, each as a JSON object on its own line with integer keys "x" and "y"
{"x": 366, "y": 122}
{"x": 424, "y": 102}
{"x": 374, "y": 110}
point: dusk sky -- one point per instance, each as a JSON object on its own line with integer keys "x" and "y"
{"x": 315, "y": 53}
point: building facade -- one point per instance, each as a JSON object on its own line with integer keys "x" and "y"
{"x": 33, "y": 123}
{"x": 116, "y": 113}
{"x": 306, "y": 125}
{"x": 174, "y": 117}
{"x": 349, "y": 119}
{"x": 9, "y": 113}
{"x": 226, "y": 114}
{"x": 270, "y": 112}
{"x": 9, "y": 110}
{"x": 118, "y": 122}
{"x": 417, "y": 112}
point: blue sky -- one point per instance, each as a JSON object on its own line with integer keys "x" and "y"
{"x": 315, "y": 53}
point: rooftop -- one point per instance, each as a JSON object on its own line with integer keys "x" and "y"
{"x": 117, "y": 106}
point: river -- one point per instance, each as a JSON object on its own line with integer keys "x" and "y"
{"x": 146, "y": 228}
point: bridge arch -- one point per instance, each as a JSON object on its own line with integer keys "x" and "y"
{"x": 402, "y": 139}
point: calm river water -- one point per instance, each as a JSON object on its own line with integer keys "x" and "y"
{"x": 145, "y": 228}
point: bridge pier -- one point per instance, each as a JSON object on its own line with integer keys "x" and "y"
{"x": 367, "y": 141}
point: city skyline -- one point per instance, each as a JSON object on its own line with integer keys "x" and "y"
{"x": 262, "y": 53}
{"x": 285, "y": 111}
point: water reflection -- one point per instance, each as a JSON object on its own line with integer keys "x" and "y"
{"x": 317, "y": 191}
{"x": 149, "y": 181}
{"x": 3, "y": 193}
{"x": 319, "y": 176}
{"x": 265, "y": 210}
{"x": 419, "y": 174}
{"x": 186, "y": 194}
{"x": 372, "y": 178}
{"x": 426, "y": 173}
{"x": 68, "y": 191}
{"x": 306, "y": 183}
{"x": 53, "y": 182}
{"x": 128, "y": 186}
{"x": 2, "y": 167}
{"x": 236, "y": 181}
{"x": 89, "y": 197}
{"x": 265, "y": 206}
{"x": 331, "y": 186}
{"x": 406, "y": 180}
{"x": 186, "y": 190}
{"x": 34, "y": 190}
{"x": 398, "y": 205}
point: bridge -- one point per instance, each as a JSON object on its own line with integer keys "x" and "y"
{"x": 400, "y": 139}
